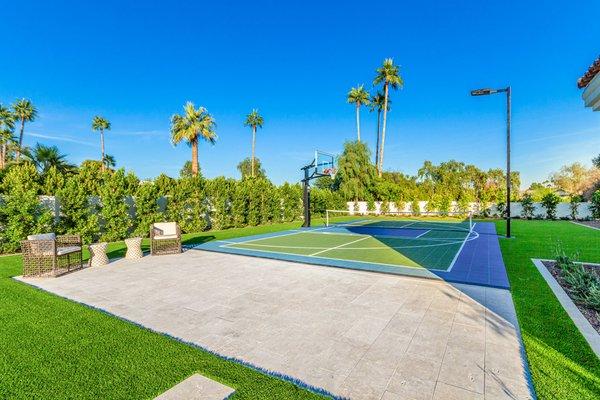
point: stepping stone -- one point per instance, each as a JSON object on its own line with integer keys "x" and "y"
{"x": 197, "y": 387}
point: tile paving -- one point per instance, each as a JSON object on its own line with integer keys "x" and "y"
{"x": 356, "y": 334}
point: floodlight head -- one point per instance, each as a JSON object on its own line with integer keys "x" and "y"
{"x": 483, "y": 92}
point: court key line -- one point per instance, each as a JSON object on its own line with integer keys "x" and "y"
{"x": 341, "y": 245}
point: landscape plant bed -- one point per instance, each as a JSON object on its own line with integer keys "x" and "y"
{"x": 590, "y": 314}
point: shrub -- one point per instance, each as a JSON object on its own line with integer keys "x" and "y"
{"x": 579, "y": 281}
{"x": 550, "y": 201}
{"x": 114, "y": 211}
{"x": 444, "y": 205}
{"x": 527, "y": 205}
{"x": 415, "y": 208}
{"x": 371, "y": 205}
{"x": 147, "y": 211}
{"x": 54, "y": 181}
{"x": 187, "y": 205}
{"x": 291, "y": 201}
{"x": 563, "y": 261}
{"x": 384, "y": 207}
{"x": 77, "y": 214}
{"x": 592, "y": 298}
{"x": 501, "y": 209}
{"x": 462, "y": 205}
{"x": 220, "y": 193}
{"x": 574, "y": 206}
{"x": 595, "y": 204}
{"x": 21, "y": 213}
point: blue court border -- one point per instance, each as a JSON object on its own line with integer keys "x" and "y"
{"x": 479, "y": 261}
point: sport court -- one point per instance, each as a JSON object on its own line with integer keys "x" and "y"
{"x": 455, "y": 249}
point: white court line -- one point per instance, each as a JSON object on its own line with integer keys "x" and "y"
{"x": 460, "y": 250}
{"x": 341, "y": 245}
{"x": 424, "y": 233}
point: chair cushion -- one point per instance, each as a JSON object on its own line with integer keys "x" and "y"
{"x": 42, "y": 236}
{"x": 164, "y": 237}
{"x": 66, "y": 250}
{"x": 165, "y": 228}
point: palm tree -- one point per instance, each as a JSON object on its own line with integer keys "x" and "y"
{"x": 358, "y": 96}
{"x": 101, "y": 124}
{"x": 389, "y": 75}
{"x": 7, "y": 124}
{"x": 254, "y": 120}
{"x": 377, "y": 103}
{"x": 109, "y": 161}
{"x": 192, "y": 125}
{"x": 24, "y": 111}
{"x": 45, "y": 157}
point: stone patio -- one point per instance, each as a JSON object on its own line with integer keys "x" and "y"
{"x": 356, "y": 334}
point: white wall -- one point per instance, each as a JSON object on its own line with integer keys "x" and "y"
{"x": 563, "y": 210}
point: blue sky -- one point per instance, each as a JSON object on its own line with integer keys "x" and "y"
{"x": 137, "y": 64}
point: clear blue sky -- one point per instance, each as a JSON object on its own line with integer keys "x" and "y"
{"x": 138, "y": 64}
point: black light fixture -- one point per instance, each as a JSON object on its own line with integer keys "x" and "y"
{"x": 485, "y": 92}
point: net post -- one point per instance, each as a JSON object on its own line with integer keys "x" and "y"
{"x": 327, "y": 218}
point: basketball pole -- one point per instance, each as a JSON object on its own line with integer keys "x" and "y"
{"x": 306, "y": 199}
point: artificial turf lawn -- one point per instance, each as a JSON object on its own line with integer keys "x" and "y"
{"x": 52, "y": 348}
{"x": 433, "y": 250}
{"x": 563, "y": 366}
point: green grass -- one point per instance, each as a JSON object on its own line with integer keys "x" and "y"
{"x": 434, "y": 250}
{"x": 562, "y": 364}
{"x": 52, "y": 348}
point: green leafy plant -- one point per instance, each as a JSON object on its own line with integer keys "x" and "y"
{"x": 550, "y": 202}
{"x": 147, "y": 210}
{"x": 78, "y": 215}
{"x": 384, "y": 207}
{"x": 564, "y": 262}
{"x": 527, "y": 206}
{"x": 574, "y": 206}
{"x": 114, "y": 211}
{"x": 188, "y": 206}
{"x": 595, "y": 204}
{"x": 415, "y": 207}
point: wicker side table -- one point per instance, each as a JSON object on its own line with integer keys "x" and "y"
{"x": 98, "y": 254}
{"x": 134, "y": 248}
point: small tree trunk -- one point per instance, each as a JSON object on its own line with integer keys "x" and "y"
{"x": 380, "y": 167}
{"x": 378, "y": 138}
{"x": 253, "y": 145}
{"x": 358, "y": 120}
{"x": 195, "y": 157}
{"x": 3, "y": 156}
{"x": 102, "y": 149}
{"x": 18, "y": 155}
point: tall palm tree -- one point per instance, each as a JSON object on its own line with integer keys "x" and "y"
{"x": 358, "y": 96}
{"x": 101, "y": 124}
{"x": 389, "y": 75}
{"x": 7, "y": 124}
{"x": 377, "y": 103}
{"x": 24, "y": 111}
{"x": 192, "y": 125}
{"x": 254, "y": 120}
{"x": 45, "y": 157}
{"x": 109, "y": 161}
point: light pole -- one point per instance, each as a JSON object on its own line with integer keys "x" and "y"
{"x": 485, "y": 92}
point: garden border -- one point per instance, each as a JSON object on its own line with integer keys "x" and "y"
{"x": 584, "y": 225}
{"x": 585, "y": 328}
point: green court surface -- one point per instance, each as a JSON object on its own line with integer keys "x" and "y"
{"x": 417, "y": 248}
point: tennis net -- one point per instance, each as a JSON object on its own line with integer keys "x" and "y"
{"x": 450, "y": 221}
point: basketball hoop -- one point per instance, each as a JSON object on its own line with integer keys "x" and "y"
{"x": 330, "y": 171}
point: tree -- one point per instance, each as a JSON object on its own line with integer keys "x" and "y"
{"x": 358, "y": 96}
{"x": 575, "y": 179}
{"x": 355, "y": 173}
{"x": 54, "y": 181}
{"x": 528, "y": 207}
{"x": 91, "y": 176}
{"x": 45, "y": 157}
{"x": 24, "y": 111}
{"x": 389, "y": 75}
{"x": 101, "y": 124}
{"x": 254, "y": 120}
{"x": 7, "y": 124}
{"x": 192, "y": 125}
{"x": 78, "y": 214}
{"x": 147, "y": 210}
{"x": 246, "y": 166}
{"x": 377, "y": 103}
{"x": 109, "y": 162}
{"x": 596, "y": 161}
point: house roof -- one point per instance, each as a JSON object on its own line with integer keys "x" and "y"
{"x": 589, "y": 75}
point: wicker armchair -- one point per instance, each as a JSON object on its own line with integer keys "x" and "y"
{"x": 51, "y": 255}
{"x": 165, "y": 238}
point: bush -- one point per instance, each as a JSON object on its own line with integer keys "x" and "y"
{"x": 415, "y": 208}
{"x": 444, "y": 205}
{"x": 574, "y": 206}
{"x": 291, "y": 201}
{"x": 501, "y": 209}
{"x": 77, "y": 214}
{"x": 147, "y": 210}
{"x": 54, "y": 181}
{"x": 371, "y": 205}
{"x": 595, "y": 204}
{"x": 220, "y": 193}
{"x": 187, "y": 205}
{"x": 384, "y": 207}
{"x": 527, "y": 205}
{"x": 580, "y": 280}
{"x": 550, "y": 201}
{"x": 21, "y": 213}
{"x": 563, "y": 261}
{"x": 114, "y": 212}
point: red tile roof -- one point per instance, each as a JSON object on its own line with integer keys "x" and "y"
{"x": 589, "y": 75}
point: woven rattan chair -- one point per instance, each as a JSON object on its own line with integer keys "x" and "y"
{"x": 165, "y": 238}
{"x": 51, "y": 255}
